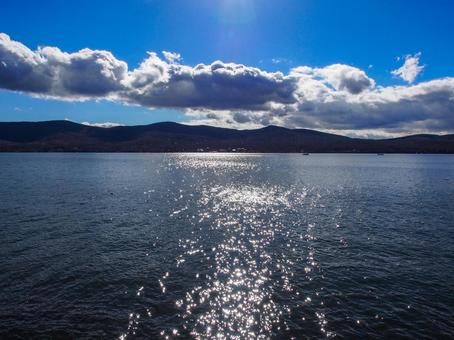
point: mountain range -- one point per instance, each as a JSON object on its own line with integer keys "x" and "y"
{"x": 66, "y": 136}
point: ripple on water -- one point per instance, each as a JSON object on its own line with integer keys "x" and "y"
{"x": 226, "y": 246}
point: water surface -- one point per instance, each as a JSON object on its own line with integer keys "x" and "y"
{"x": 226, "y": 246}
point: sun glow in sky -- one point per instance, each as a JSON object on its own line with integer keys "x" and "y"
{"x": 362, "y": 68}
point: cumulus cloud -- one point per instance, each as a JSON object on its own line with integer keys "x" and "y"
{"x": 51, "y": 72}
{"x": 156, "y": 83}
{"x": 341, "y": 77}
{"x": 429, "y": 104}
{"x": 410, "y": 69}
{"x": 335, "y": 97}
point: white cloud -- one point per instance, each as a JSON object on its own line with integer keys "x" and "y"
{"x": 341, "y": 77}
{"x": 410, "y": 69}
{"x": 156, "y": 83}
{"x": 103, "y": 124}
{"x": 171, "y": 57}
{"x": 51, "y": 72}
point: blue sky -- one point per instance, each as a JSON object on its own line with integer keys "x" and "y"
{"x": 269, "y": 35}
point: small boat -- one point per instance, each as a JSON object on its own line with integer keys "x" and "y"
{"x": 305, "y": 154}
{"x": 380, "y": 154}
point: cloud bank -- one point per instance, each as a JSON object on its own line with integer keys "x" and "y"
{"x": 336, "y": 97}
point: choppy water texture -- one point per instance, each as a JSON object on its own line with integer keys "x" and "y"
{"x": 226, "y": 246}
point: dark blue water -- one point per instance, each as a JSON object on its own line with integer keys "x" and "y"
{"x": 226, "y": 246}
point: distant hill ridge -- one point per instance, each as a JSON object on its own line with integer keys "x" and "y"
{"x": 68, "y": 136}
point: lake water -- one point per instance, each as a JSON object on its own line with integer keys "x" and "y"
{"x": 226, "y": 245}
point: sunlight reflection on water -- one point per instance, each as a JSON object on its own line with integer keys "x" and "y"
{"x": 236, "y": 299}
